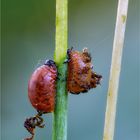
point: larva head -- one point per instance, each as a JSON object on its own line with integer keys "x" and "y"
{"x": 42, "y": 87}
{"x": 50, "y": 63}
{"x": 81, "y": 78}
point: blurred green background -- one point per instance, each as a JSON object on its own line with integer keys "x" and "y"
{"x": 28, "y": 38}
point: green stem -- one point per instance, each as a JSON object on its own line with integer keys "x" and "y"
{"x": 60, "y": 113}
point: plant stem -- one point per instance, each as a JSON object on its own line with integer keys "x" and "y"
{"x": 115, "y": 70}
{"x": 60, "y": 113}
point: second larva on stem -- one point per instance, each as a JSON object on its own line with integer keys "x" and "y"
{"x": 81, "y": 78}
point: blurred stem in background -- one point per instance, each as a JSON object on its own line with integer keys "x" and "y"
{"x": 61, "y": 37}
{"x": 115, "y": 70}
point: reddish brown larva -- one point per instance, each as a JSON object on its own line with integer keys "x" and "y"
{"x": 42, "y": 87}
{"x": 41, "y": 92}
{"x": 81, "y": 78}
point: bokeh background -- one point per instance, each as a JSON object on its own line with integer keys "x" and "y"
{"x": 28, "y": 38}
